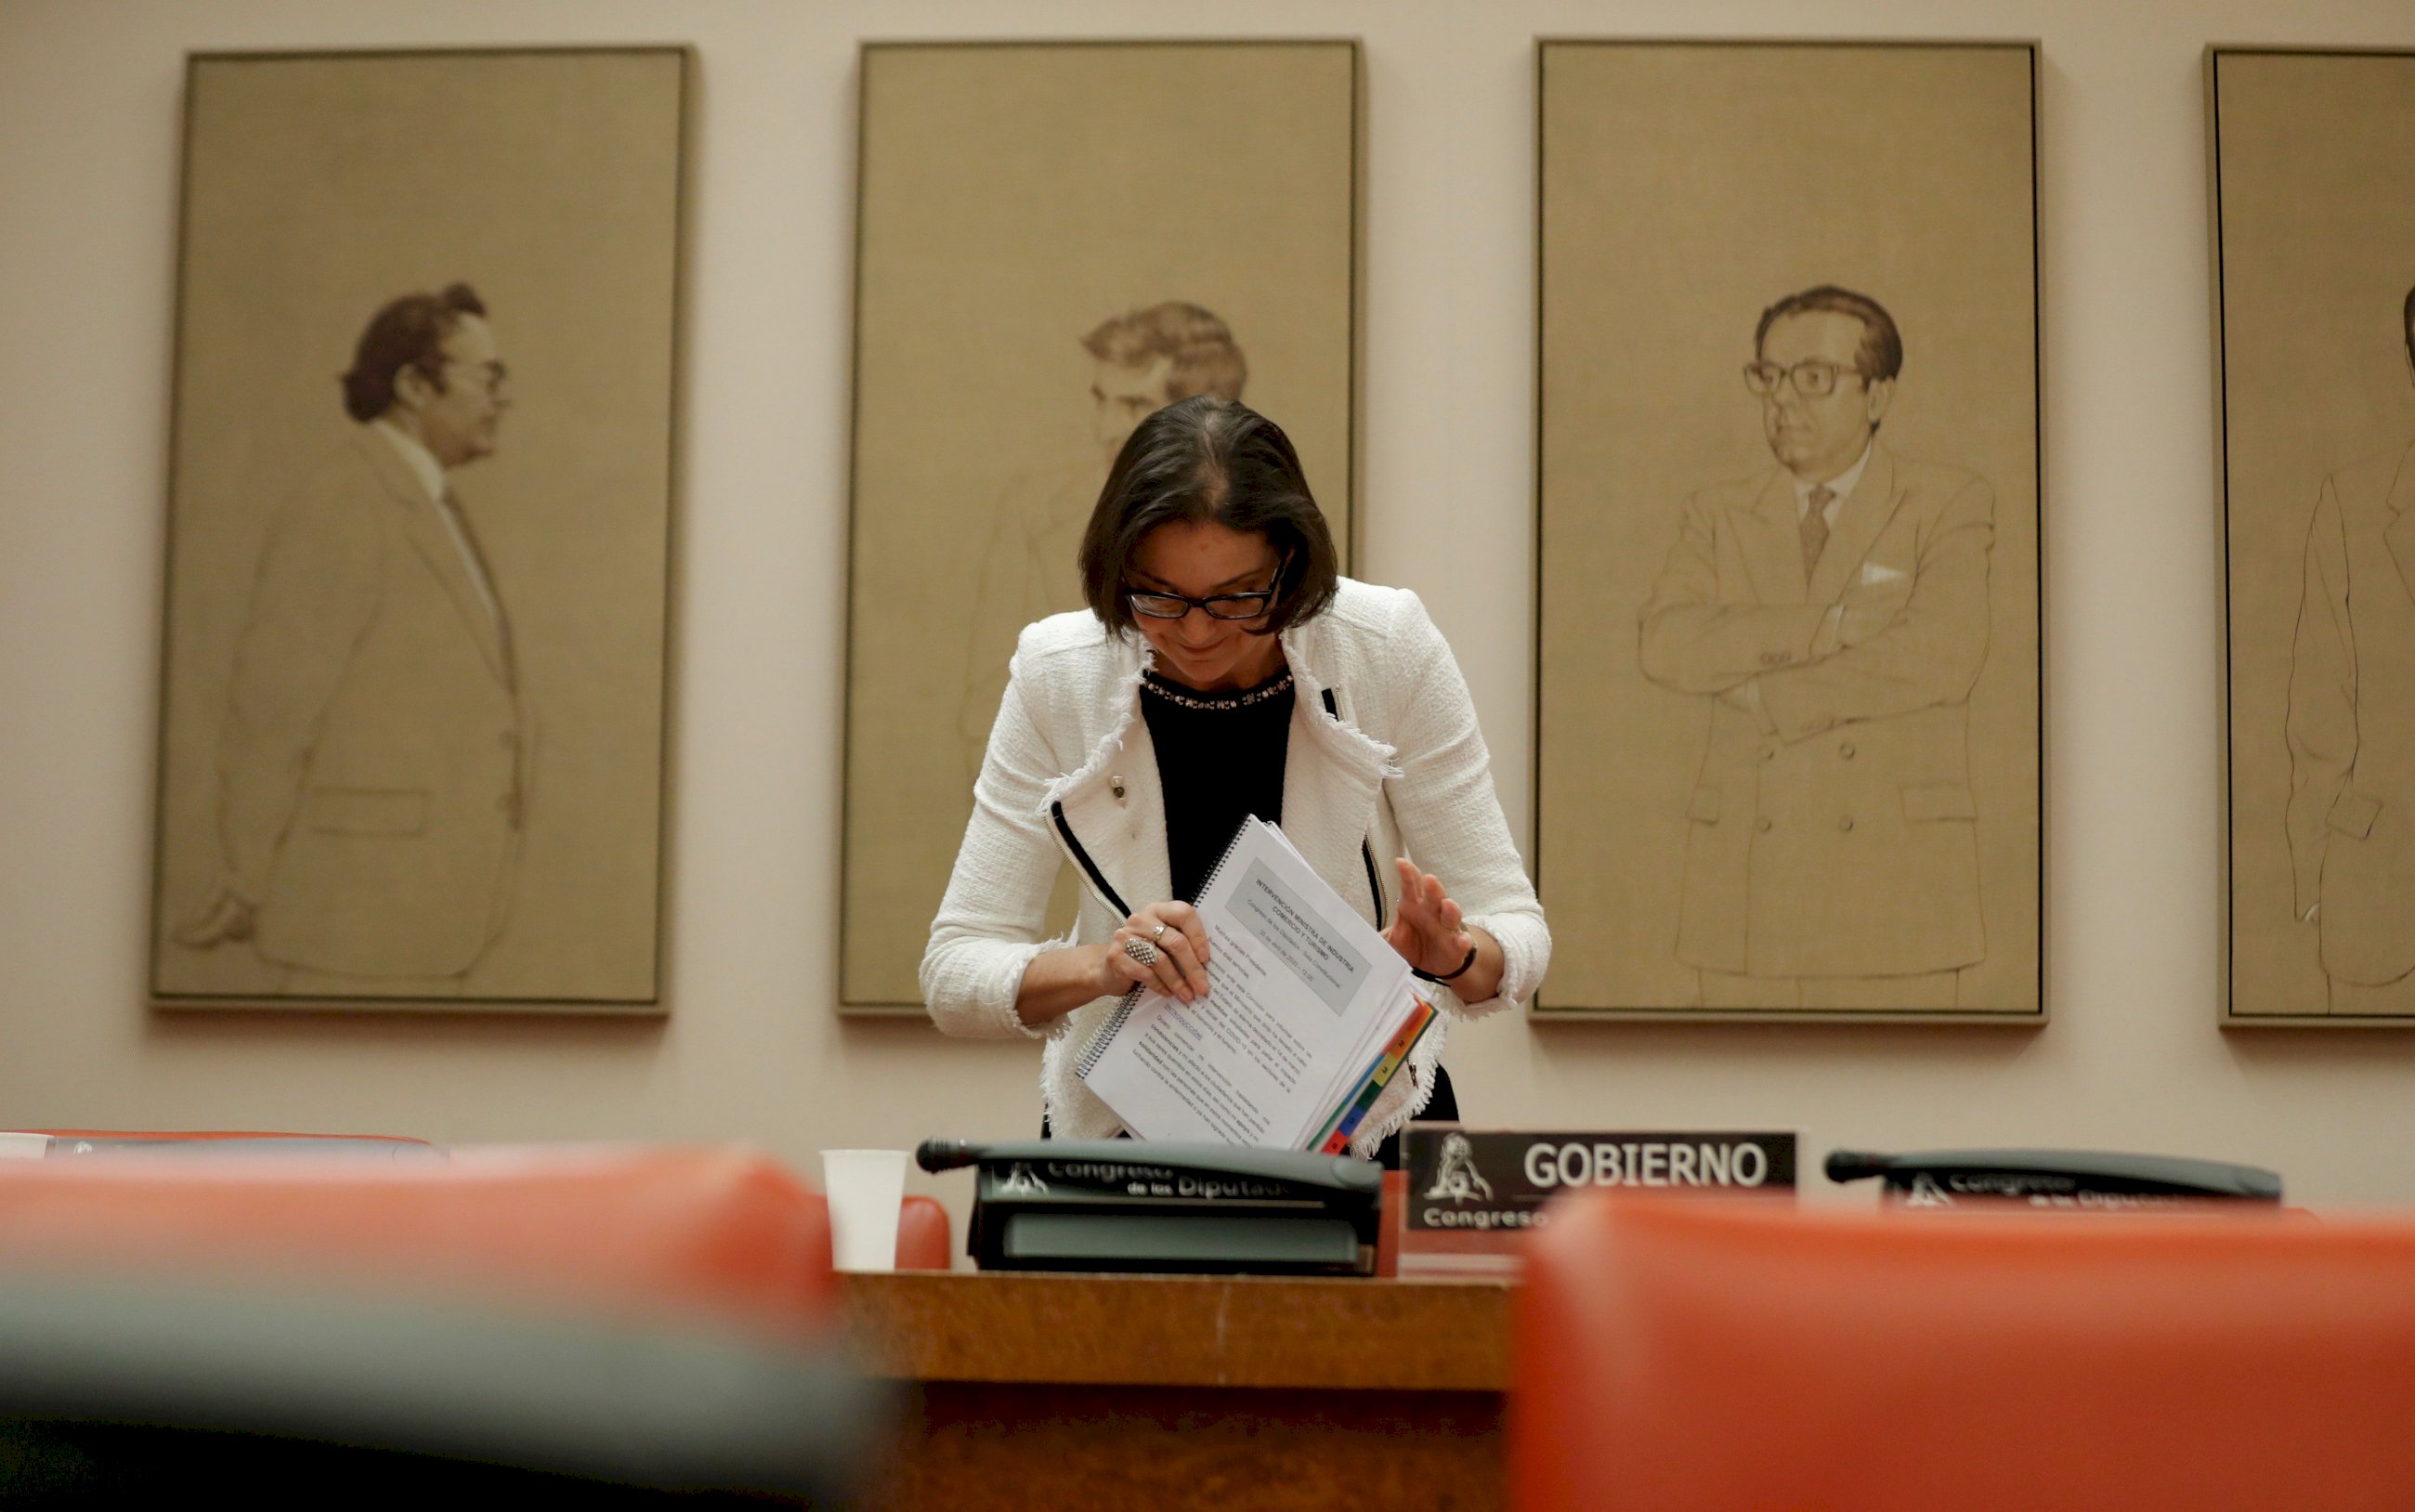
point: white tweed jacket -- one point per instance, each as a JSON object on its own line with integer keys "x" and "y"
{"x": 1384, "y": 759}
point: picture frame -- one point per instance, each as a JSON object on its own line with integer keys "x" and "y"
{"x": 1789, "y": 748}
{"x": 423, "y": 468}
{"x": 1054, "y": 238}
{"x": 2310, "y": 167}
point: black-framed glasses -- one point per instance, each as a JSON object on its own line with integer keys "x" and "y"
{"x": 1814, "y": 378}
{"x": 1219, "y": 605}
{"x": 1150, "y": 605}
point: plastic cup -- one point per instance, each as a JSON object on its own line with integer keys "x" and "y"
{"x": 864, "y": 1187}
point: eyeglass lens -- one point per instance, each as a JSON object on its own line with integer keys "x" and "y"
{"x": 1812, "y": 378}
{"x": 1222, "y": 607}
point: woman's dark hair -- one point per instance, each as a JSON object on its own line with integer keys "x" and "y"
{"x": 1210, "y": 461}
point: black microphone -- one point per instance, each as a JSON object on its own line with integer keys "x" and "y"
{"x": 946, "y": 1154}
{"x": 1852, "y": 1166}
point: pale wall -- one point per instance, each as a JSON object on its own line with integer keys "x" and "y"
{"x": 88, "y": 141}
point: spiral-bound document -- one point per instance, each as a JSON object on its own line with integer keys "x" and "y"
{"x": 1307, "y": 1012}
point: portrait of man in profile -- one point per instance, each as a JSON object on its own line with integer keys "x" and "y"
{"x": 1832, "y": 613}
{"x": 2351, "y": 728}
{"x": 374, "y": 759}
{"x": 1141, "y": 362}
{"x": 387, "y": 566}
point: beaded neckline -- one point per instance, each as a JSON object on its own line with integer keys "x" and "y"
{"x": 1273, "y": 687}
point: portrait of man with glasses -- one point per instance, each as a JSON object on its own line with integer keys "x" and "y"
{"x": 1832, "y": 611}
{"x": 372, "y": 761}
{"x": 1141, "y": 362}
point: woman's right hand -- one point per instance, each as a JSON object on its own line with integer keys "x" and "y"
{"x": 1179, "y": 939}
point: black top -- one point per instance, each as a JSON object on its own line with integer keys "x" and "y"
{"x": 1220, "y": 758}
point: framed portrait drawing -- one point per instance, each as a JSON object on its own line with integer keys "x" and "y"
{"x": 1788, "y": 754}
{"x": 420, "y": 489}
{"x": 1055, "y": 239}
{"x": 2312, "y": 156}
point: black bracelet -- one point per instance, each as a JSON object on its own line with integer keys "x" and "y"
{"x": 1447, "y": 975}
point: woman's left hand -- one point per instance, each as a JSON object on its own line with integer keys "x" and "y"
{"x": 1426, "y": 928}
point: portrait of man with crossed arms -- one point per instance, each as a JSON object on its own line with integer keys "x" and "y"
{"x": 1833, "y": 612}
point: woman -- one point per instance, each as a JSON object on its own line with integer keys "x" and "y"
{"x": 1225, "y": 668}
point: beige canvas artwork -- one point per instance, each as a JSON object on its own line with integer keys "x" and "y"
{"x": 419, "y": 504}
{"x": 2313, "y": 157}
{"x": 1787, "y": 755}
{"x": 1054, "y": 241}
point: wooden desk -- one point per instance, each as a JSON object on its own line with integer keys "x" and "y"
{"x": 1188, "y": 1391}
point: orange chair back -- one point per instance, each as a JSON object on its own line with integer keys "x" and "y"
{"x": 205, "y": 1135}
{"x": 717, "y": 1233}
{"x": 1716, "y": 1356}
{"x": 923, "y": 1239}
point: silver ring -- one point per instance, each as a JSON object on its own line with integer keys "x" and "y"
{"x": 1141, "y": 951}
{"x": 1157, "y": 934}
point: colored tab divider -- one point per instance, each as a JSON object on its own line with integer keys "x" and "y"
{"x": 1353, "y": 1109}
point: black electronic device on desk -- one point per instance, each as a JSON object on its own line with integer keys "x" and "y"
{"x": 2084, "y": 1180}
{"x": 1121, "y": 1205}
